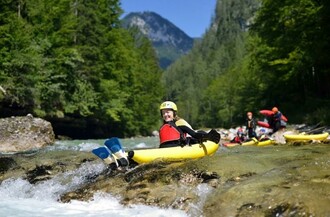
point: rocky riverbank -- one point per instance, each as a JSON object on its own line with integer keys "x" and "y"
{"x": 282, "y": 180}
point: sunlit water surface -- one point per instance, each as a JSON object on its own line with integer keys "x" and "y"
{"x": 279, "y": 174}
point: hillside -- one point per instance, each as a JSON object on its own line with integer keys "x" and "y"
{"x": 169, "y": 41}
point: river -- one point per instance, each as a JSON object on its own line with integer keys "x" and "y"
{"x": 20, "y": 198}
{"x": 255, "y": 181}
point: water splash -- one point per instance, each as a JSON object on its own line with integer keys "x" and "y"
{"x": 53, "y": 188}
{"x": 19, "y": 198}
{"x": 202, "y": 190}
{"x": 101, "y": 205}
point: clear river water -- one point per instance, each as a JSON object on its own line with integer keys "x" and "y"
{"x": 288, "y": 173}
{"x": 20, "y": 198}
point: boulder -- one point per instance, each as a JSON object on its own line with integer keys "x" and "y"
{"x": 18, "y": 134}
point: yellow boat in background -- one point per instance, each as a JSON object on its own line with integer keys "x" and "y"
{"x": 174, "y": 153}
{"x": 266, "y": 142}
{"x": 252, "y": 142}
{"x": 305, "y": 137}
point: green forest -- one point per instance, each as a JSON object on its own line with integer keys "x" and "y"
{"x": 256, "y": 55}
{"x": 71, "y": 62}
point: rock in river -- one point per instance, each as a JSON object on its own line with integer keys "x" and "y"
{"x": 19, "y": 134}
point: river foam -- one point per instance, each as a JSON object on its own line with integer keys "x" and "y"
{"x": 20, "y": 198}
{"x": 100, "y": 205}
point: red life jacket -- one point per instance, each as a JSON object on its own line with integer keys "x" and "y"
{"x": 169, "y": 133}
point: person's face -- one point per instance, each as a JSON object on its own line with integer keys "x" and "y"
{"x": 168, "y": 115}
{"x": 249, "y": 116}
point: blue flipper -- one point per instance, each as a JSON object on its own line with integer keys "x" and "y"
{"x": 101, "y": 152}
{"x": 104, "y": 154}
{"x": 113, "y": 144}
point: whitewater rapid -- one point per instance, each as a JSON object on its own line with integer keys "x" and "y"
{"x": 19, "y": 198}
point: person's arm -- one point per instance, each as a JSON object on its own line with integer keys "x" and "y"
{"x": 213, "y": 135}
{"x": 193, "y": 133}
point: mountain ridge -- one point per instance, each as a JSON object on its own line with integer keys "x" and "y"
{"x": 169, "y": 41}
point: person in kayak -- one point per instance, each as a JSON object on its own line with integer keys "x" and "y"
{"x": 251, "y": 125}
{"x": 240, "y": 137}
{"x": 175, "y": 131}
{"x": 262, "y": 135}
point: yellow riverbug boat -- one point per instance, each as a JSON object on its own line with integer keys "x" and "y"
{"x": 194, "y": 151}
{"x": 252, "y": 142}
{"x": 305, "y": 137}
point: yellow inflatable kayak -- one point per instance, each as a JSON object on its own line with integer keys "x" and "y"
{"x": 174, "y": 153}
{"x": 306, "y": 137}
{"x": 266, "y": 142}
{"x": 251, "y": 142}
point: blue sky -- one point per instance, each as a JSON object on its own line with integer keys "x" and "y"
{"x": 191, "y": 16}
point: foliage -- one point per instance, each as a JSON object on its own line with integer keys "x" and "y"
{"x": 256, "y": 55}
{"x": 70, "y": 58}
{"x": 290, "y": 54}
{"x": 206, "y": 81}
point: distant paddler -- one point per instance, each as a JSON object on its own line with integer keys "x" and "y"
{"x": 251, "y": 125}
{"x": 276, "y": 120}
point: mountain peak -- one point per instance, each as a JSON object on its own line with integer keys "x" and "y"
{"x": 169, "y": 41}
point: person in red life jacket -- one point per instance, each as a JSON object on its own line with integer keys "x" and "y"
{"x": 175, "y": 131}
{"x": 239, "y": 138}
{"x": 275, "y": 121}
{"x": 251, "y": 125}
